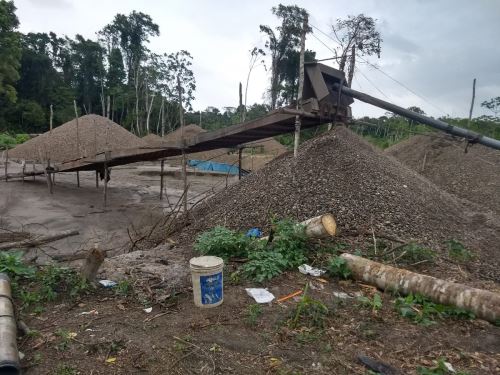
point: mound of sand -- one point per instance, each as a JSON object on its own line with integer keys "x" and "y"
{"x": 474, "y": 175}
{"x": 95, "y": 134}
{"x": 190, "y": 131}
{"x": 342, "y": 174}
{"x": 268, "y": 146}
{"x": 153, "y": 140}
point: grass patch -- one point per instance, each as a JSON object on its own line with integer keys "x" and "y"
{"x": 458, "y": 252}
{"x": 309, "y": 312}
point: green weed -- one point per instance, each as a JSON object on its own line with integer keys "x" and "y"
{"x": 375, "y": 303}
{"x": 253, "y": 312}
{"x": 309, "y": 313}
{"x": 65, "y": 370}
{"x": 423, "y": 311}
{"x": 65, "y": 339}
{"x": 123, "y": 288}
{"x": 458, "y": 252}
{"x": 338, "y": 267}
{"x": 12, "y": 264}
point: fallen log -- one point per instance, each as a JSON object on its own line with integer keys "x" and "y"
{"x": 484, "y": 304}
{"x": 320, "y": 226}
{"x": 37, "y": 241}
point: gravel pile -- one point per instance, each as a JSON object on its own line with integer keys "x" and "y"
{"x": 474, "y": 175}
{"x": 95, "y": 133}
{"x": 153, "y": 140}
{"x": 342, "y": 174}
{"x": 190, "y": 131}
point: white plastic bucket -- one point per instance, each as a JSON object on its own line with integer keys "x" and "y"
{"x": 208, "y": 283}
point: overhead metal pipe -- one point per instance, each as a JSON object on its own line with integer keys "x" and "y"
{"x": 9, "y": 355}
{"x": 438, "y": 124}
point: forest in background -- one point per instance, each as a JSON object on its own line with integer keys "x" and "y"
{"x": 117, "y": 76}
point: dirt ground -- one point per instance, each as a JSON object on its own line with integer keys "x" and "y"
{"x": 178, "y": 338}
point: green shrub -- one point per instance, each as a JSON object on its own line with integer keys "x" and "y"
{"x": 337, "y": 267}
{"x": 254, "y": 311}
{"x": 375, "y": 303}
{"x": 308, "y": 312}
{"x": 12, "y": 264}
{"x": 21, "y": 138}
{"x": 7, "y": 141}
{"x": 223, "y": 242}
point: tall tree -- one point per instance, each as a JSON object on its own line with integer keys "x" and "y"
{"x": 356, "y": 35}
{"x": 493, "y": 105}
{"x": 10, "y": 51}
{"x": 279, "y": 42}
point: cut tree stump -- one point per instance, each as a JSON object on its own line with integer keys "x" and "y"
{"x": 93, "y": 261}
{"x": 483, "y": 303}
{"x": 321, "y": 226}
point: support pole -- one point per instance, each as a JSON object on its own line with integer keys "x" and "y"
{"x": 49, "y": 178}
{"x": 162, "y": 166}
{"x": 24, "y": 169}
{"x": 78, "y": 178}
{"x": 34, "y": 171}
{"x": 240, "y": 150}
{"x": 472, "y": 102}
{"x": 184, "y": 172}
{"x": 301, "y": 87}
{"x": 6, "y": 164}
{"x": 77, "y": 130}
{"x": 96, "y": 179}
{"x": 51, "y": 117}
{"x": 437, "y": 124}
{"x": 105, "y": 184}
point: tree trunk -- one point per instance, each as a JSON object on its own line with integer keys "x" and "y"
{"x": 484, "y": 304}
{"x": 41, "y": 240}
{"x": 320, "y": 226}
{"x": 352, "y": 64}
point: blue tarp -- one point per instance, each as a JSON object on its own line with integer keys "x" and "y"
{"x": 214, "y": 166}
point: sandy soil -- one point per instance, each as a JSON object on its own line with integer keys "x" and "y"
{"x": 133, "y": 202}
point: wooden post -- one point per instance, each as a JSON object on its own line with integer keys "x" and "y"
{"x": 96, "y": 179}
{"x": 301, "y": 88}
{"x": 184, "y": 172}
{"x": 6, "y": 164}
{"x": 47, "y": 175}
{"x": 34, "y": 171}
{"x": 53, "y": 179}
{"x": 472, "y": 102}
{"x": 240, "y": 150}
{"x": 77, "y": 178}
{"x": 24, "y": 169}
{"x": 162, "y": 165}
{"x": 106, "y": 157}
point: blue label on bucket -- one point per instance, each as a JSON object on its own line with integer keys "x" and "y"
{"x": 211, "y": 288}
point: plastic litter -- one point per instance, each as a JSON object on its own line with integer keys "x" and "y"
{"x": 148, "y": 310}
{"x": 308, "y": 270}
{"x": 91, "y": 312}
{"x": 260, "y": 295}
{"x": 108, "y": 283}
{"x": 254, "y": 232}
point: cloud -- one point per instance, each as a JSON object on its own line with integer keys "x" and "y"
{"x": 52, "y": 3}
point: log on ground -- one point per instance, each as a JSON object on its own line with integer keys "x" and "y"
{"x": 484, "y": 304}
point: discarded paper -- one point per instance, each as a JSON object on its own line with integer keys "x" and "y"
{"x": 260, "y": 295}
{"x": 308, "y": 270}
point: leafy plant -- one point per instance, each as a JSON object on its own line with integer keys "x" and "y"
{"x": 338, "y": 267}
{"x": 65, "y": 370}
{"x": 254, "y": 311}
{"x": 423, "y": 311}
{"x": 12, "y": 264}
{"x": 264, "y": 265}
{"x": 223, "y": 242}
{"x": 290, "y": 240}
{"x": 414, "y": 253}
{"x": 375, "y": 303}
{"x": 65, "y": 339}
{"x": 440, "y": 369}
{"x": 458, "y": 252}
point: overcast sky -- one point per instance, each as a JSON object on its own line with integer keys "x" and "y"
{"x": 433, "y": 47}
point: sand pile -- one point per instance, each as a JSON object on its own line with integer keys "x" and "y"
{"x": 153, "y": 140}
{"x": 342, "y": 174}
{"x": 190, "y": 131}
{"x": 95, "y": 133}
{"x": 474, "y": 175}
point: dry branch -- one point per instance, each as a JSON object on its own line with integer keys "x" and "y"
{"x": 38, "y": 241}
{"x": 484, "y": 304}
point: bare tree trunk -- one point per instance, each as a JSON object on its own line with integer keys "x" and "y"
{"x": 352, "y": 64}
{"x": 149, "y": 112}
{"x": 484, "y": 304}
{"x": 472, "y": 102}
{"x": 274, "y": 84}
{"x": 184, "y": 172}
{"x": 163, "y": 118}
{"x": 301, "y": 87}
{"x": 77, "y": 130}
{"x": 51, "y": 117}
{"x": 109, "y": 107}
